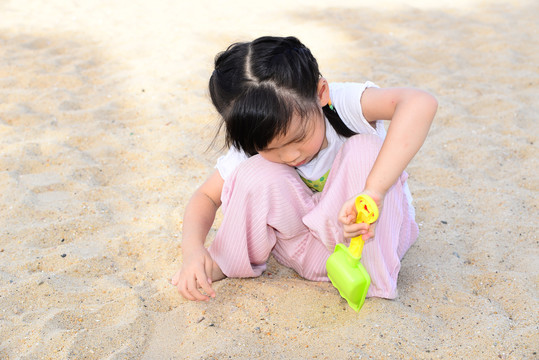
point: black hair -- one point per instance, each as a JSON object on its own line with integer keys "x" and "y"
{"x": 258, "y": 86}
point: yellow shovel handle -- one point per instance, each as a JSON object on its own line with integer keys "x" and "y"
{"x": 367, "y": 212}
{"x": 356, "y": 246}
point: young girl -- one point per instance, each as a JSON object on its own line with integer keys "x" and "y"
{"x": 301, "y": 150}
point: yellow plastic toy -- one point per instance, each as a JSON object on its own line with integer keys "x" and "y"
{"x": 344, "y": 268}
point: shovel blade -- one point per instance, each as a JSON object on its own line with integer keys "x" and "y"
{"x": 349, "y": 276}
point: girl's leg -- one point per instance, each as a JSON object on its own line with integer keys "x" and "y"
{"x": 263, "y": 206}
{"x": 396, "y": 229}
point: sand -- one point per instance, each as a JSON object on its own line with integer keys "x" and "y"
{"x": 104, "y": 126}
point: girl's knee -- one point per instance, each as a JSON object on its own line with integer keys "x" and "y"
{"x": 361, "y": 150}
{"x": 257, "y": 173}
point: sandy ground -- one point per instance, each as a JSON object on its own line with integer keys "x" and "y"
{"x": 104, "y": 123}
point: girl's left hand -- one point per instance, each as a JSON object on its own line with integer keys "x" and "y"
{"x": 348, "y": 215}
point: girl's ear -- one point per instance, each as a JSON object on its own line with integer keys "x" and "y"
{"x": 323, "y": 92}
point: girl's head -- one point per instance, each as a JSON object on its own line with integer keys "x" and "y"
{"x": 260, "y": 87}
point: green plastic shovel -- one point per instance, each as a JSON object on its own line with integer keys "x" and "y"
{"x": 344, "y": 268}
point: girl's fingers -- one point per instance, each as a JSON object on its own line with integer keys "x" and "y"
{"x": 347, "y": 214}
{"x": 182, "y": 289}
{"x": 348, "y": 219}
{"x": 205, "y": 280}
{"x": 370, "y": 233}
{"x": 355, "y": 229}
{"x": 193, "y": 289}
{"x": 175, "y": 279}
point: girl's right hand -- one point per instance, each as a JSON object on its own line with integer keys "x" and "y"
{"x": 195, "y": 274}
{"x": 348, "y": 215}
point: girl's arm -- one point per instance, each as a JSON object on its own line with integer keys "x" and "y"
{"x": 198, "y": 268}
{"x": 411, "y": 113}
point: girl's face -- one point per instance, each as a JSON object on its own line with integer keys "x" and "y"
{"x": 300, "y": 144}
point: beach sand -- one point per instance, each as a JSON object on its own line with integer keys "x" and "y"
{"x": 105, "y": 121}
